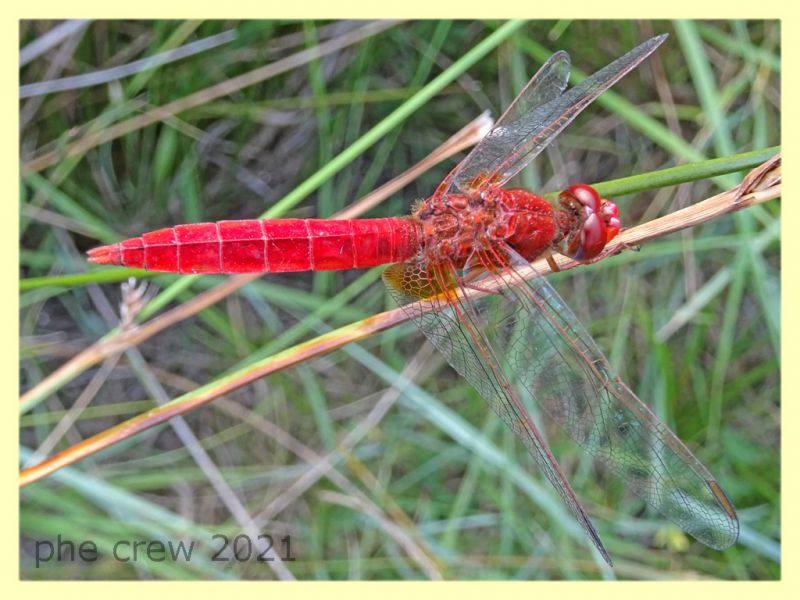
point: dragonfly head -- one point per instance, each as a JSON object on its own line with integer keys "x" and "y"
{"x": 598, "y": 222}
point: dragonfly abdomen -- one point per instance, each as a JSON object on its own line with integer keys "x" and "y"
{"x": 267, "y": 246}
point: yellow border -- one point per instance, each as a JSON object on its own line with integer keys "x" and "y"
{"x": 405, "y": 9}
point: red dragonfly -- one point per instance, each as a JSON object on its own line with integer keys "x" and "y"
{"x": 463, "y": 274}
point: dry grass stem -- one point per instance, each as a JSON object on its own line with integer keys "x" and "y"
{"x": 48, "y": 159}
{"x": 466, "y": 137}
{"x": 394, "y": 531}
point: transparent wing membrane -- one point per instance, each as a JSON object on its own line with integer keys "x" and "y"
{"x": 456, "y": 329}
{"x": 539, "y": 352}
{"x": 537, "y": 115}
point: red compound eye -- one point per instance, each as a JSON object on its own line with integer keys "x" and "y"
{"x": 584, "y": 195}
{"x": 600, "y": 222}
{"x": 613, "y": 223}
{"x": 593, "y": 237}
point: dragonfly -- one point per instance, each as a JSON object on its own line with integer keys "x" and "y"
{"x": 460, "y": 266}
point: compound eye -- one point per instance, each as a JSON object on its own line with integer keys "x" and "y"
{"x": 599, "y": 222}
{"x": 610, "y": 216}
{"x": 593, "y": 237}
{"x": 584, "y": 195}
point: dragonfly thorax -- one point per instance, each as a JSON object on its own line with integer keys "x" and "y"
{"x": 456, "y": 225}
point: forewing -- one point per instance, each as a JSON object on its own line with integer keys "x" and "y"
{"x": 546, "y": 85}
{"x": 550, "y": 356}
{"x": 456, "y": 328}
{"x": 537, "y": 116}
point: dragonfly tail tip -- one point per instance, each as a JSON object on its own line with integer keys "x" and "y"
{"x": 104, "y": 255}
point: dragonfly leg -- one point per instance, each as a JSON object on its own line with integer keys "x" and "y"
{"x": 552, "y": 262}
{"x": 466, "y": 284}
{"x": 618, "y": 247}
{"x": 626, "y": 246}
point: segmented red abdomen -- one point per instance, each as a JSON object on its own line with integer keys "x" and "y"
{"x": 268, "y": 246}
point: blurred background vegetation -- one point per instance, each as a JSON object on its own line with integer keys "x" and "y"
{"x": 426, "y": 482}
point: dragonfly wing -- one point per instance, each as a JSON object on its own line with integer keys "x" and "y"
{"x": 537, "y": 117}
{"x": 546, "y": 85}
{"x": 456, "y": 328}
{"x": 548, "y": 354}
